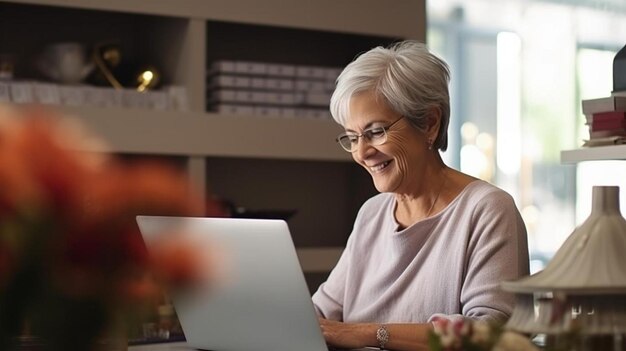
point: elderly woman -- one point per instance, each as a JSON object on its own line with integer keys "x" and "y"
{"x": 435, "y": 243}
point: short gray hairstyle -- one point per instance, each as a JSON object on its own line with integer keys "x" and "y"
{"x": 407, "y": 75}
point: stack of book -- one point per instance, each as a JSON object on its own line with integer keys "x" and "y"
{"x": 45, "y": 93}
{"x": 606, "y": 119}
{"x": 259, "y": 88}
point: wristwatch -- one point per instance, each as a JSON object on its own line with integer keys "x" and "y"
{"x": 382, "y": 336}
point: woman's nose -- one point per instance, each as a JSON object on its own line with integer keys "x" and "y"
{"x": 363, "y": 149}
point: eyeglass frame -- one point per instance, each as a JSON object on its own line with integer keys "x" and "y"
{"x": 364, "y": 134}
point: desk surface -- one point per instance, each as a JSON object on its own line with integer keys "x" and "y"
{"x": 182, "y": 346}
{"x": 169, "y": 346}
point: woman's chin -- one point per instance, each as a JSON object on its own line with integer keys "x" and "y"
{"x": 383, "y": 186}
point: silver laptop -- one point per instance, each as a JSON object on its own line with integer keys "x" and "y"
{"x": 259, "y": 299}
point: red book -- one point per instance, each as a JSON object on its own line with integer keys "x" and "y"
{"x": 604, "y": 116}
{"x": 607, "y": 124}
{"x": 610, "y": 115}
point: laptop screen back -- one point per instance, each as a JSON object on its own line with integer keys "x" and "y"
{"x": 258, "y": 299}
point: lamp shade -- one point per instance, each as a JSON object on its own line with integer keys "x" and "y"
{"x": 592, "y": 260}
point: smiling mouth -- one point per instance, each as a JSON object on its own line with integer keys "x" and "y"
{"x": 379, "y": 167}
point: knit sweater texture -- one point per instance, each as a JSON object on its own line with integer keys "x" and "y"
{"x": 450, "y": 264}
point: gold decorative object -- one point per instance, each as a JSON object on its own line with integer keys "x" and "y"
{"x": 147, "y": 78}
{"x": 107, "y": 57}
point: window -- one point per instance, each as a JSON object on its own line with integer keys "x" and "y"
{"x": 517, "y": 83}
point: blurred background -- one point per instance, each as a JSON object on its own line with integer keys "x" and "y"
{"x": 236, "y": 99}
{"x": 164, "y": 82}
{"x": 519, "y": 72}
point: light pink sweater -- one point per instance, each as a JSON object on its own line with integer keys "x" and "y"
{"x": 450, "y": 264}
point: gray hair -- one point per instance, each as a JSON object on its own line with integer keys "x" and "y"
{"x": 407, "y": 75}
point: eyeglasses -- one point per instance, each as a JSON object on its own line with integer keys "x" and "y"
{"x": 373, "y": 136}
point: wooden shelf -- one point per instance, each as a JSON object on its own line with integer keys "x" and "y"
{"x": 612, "y": 152}
{"x": 211, "y": 134}
{"x": 371, "y": 17}
{"x": 259, "y": 162}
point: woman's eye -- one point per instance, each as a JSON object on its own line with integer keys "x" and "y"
{"x": 375, "y": 133}
{"x": 353, "y": 138}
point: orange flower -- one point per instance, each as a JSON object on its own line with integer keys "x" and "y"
{"x": 179, "y": 265}
{"x": 39, "y": 172}
{"x": 74, "y": 211}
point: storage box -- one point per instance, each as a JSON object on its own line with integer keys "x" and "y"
{"x": 279, "y": 70}
{"x": 224, "y": 66}
{"x": 333, "y": 73}
{"x": 310, "y": 85}
{"x": 130, "y": 98}
{"x": 258, "y": 83}
{"x": 72, "y": 95}
{"x": 223, "y": 95}
{"x": 5, "y": 92}
{"x": 178, "y": 98}
{"x": 286, "y": 99}
{"x": 229, "y": 81}
{"x": 250, "y": 68}
{"x": 22, "y": 92}
{"x": 157, "y": 100}
{"x": 244, "y": 96}
{"x": 46, "y": 93}
{"x": 279, "y": 84}
{"x": 259, "y": 97}
{"x": 317, "y": 99}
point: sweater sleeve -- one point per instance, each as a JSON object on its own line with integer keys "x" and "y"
{"x": 497, "y": 251}
{"x": 329, "y": 297}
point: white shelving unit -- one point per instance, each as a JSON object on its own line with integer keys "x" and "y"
{"x": 598, "y": 153}
{"x": 257, "y": 161}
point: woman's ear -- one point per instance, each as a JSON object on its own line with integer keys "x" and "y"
{"x": 433, "y": 122}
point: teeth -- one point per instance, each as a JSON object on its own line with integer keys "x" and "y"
{"x": 379, "y": 166}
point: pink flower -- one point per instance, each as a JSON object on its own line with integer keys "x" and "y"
{"x": 461, "y": 327}
{"x": 451, "y": 331}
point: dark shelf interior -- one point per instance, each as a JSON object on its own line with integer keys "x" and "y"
{"x": 247, "y": 42}
{"x": 25, "y": 30}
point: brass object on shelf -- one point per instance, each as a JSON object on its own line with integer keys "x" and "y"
{"x": 107, "y": 57}
{"x": 147, "y": 78}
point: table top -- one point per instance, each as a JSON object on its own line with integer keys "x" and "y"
{"x": 167, "y": 346}
{"x": 182, "y": 346}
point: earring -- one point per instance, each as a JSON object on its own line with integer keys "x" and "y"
{"x": 430, "y": 144}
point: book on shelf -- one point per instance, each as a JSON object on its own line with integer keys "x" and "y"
{"x": 598, "y": 134}
{"x": 606, "y": 116}
{"x": 596, "y": 125}
{"x": 605, "y": 104}
{"x": 611, "y": 140}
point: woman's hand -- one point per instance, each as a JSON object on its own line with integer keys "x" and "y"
{"x": 348, "y": 335}
{"x": 408, "y": 337}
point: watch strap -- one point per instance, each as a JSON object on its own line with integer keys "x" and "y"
{"x": 382, "y": 336}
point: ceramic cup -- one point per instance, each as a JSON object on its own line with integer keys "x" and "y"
{"x": 65, "y": 63}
